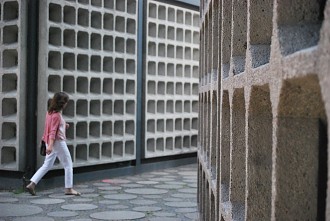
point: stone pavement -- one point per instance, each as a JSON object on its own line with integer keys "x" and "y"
{"x": 162, "y": 195}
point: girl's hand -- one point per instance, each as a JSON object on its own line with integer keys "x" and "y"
{"x": 67, "y": 126}
{"x": 49, "y": 149}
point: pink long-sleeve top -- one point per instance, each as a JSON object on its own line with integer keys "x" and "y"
{"x": 54, "y": 127}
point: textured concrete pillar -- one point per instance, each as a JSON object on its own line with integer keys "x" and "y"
{"x": 259, "y": 155}
{"x": 264, "y": 45}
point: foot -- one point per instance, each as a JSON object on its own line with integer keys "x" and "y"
{"x": 72, "y": 192}
{"x": 30, "y": 188}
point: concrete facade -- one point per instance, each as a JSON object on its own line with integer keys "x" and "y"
{"x": 12, "y": 84}
{"x": 172, "y": 68}
{"x": 92, "y": 50}
{"x": 264, "y": 98}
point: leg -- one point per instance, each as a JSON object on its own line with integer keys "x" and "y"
{"x": 66, "y": 161}
{"x": 48, "y": 164}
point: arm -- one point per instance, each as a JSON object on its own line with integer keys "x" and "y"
{"x": 55, "y": 122}
{"x": 49, "y": 148}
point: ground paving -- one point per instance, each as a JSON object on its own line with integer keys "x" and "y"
{"x": 162, "y": 195}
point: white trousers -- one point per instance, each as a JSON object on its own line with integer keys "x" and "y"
{"x": 60, "y": 150}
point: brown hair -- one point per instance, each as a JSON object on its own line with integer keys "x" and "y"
{"x": 58, "y": 102}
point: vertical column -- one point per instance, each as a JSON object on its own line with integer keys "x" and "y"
{"x": 239, "y": 38}
{"x": 213, "y": 135}
{"x": 300, "y": 151}
{"x": 260, "y": 31}
{"x": 226, "y": 37}
{"x": 259, "y": 154}
{"x": 225, "y": 148}
{"x": 238, "y": 155}
{"x": 12, "y": 88}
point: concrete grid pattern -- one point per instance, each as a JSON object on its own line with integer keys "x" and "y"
{"x": 89, "y": 49}
{"x": 161, "y": 195}
{"x": 264, "y": 100}
{"x": 172, "y": 67}
{"x": 12, "y": 83}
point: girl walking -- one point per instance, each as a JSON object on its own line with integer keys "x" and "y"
{"x": 54, "y": 137}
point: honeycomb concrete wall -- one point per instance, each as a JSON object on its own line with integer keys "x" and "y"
{"x": 171, "y": 78}
{"x": 12, "y": 84}
{"x": 264, "y": 109}
{"x": 89, "y": 49}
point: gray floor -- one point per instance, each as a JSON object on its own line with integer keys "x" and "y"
{"x": 162, "y": 195}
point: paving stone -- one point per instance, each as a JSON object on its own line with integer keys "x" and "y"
{"x": 47, "y": 192}
{"x": 47, "y": 201}
{"x": 110, "y": 202}
{"x": 153, "y": 196}
{"x": 118, "y": 207}
{"x": 164, "y": 219}
{"x": 62, "y": 214}
{"x": 120, "y": 197}
{"x": 28, "y": 195}
{"x": 176, "y": 183}
{"x": 164, "y": 214}
{"x": 90, "y": 195}
{"x": 117, "y": 215}
{"x": 147, "y": 182}
{"x": 132, "y": 185}
{"x": 188, "y": 190}
{"x": 110, "y": 188}
{"x": 85, "y": 190}
{"x": 101, "y": 184}
{"x": 81, "y": 186}
{"x": 80, "y": 220}
{"x": 116, "y": 199}
{"x": 193, "y": 216}
{"x": 168, "y": 186}
{"x": 187, "y": 173}
{"x": 173, "y": 199}
{"x": 146, "y": 191}
{"x": 184, "y": 195}
{"x": 34, "y": 218}
{"x": 147, "y": 208}
{"x": 143, "y": 202}
{"x": 193, "y": 185}
{"x": 78, "y": 207}
{"x": 116, "y": 181}
{"x": 108, "y": 192}
{"x": 190, "y": 180}
{"x": 170, "y": 176}
{"x": 170, "y": 170}
{"x": 6, "y": 194}
{"x": 7, "y": 210}
{"x": 136, "y": 179}
{"x": 60, "y": 196}
{"x": 186, "y": 210}
{"x": 181, "y": 204}
{"x": 159, "y": 173}
{"x": 8, "y": 200}
{"x": 162, "y": 179}
{"x": 147, "y": 176}
{"x": 81, "y": 200}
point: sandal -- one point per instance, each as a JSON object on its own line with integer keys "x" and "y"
{"x": 74, "y": 193}
{"x": 31, "y": 190}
